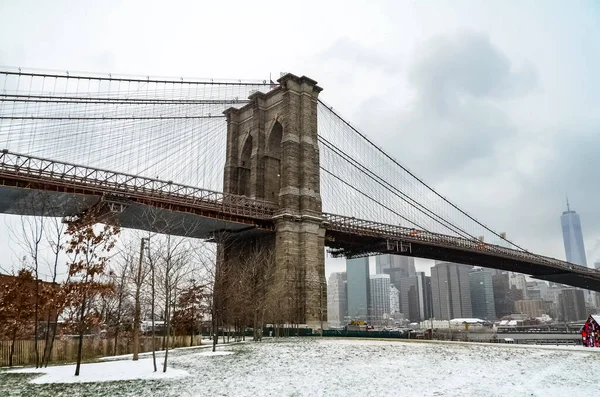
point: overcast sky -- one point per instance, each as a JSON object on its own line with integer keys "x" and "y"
{"x": 496, "y": 103}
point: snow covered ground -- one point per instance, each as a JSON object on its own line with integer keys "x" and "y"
{"x": 341, "y": 367}
{"x": 102, "y": 372}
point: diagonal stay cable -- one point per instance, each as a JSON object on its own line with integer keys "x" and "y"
{"x": 396, "y": 192}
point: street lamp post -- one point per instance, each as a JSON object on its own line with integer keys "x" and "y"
{"x": 136, "y": 318}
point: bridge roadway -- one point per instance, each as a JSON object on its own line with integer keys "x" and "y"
{"x": 32, "y": 185}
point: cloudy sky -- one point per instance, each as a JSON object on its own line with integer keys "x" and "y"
{"x": 496, "y": 102}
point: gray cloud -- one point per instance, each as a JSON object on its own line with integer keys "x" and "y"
{"x": 459, "y": 134}
{"x": 455, "y": 118}
{"x": 451, "y": 69}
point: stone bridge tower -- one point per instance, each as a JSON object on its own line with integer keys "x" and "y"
{"x": 273, "y": 154}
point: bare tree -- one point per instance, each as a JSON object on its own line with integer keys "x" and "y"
{"x": 120, "y": 273}
{"x": 169, "y": 265}
{"x": 55, "y": 240}
{"x": 39, "y": 232}
{"x": 30, "y": 237}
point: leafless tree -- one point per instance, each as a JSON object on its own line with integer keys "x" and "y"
{"x": 120, "y": 272}
{"x": 41, "y": 231}
{"x": 55, "y": 240}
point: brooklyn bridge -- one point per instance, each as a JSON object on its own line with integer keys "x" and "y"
{"x": 250, "y": 162}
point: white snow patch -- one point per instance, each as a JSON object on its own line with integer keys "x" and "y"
{"x": 101, "y": 372}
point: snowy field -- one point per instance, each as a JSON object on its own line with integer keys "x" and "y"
{"x": 329, "y": 367}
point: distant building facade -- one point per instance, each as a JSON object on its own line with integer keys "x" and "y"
{"x": 531, "y": 307}
{"x": 337, "y": 300}
{"x": 537, "y": 290}
{"x": 571, "y": 303}
{"x": 503, "y": 302}
{"x": 482, "y": 294}
{"x": 518, "y": 281}
{"x": 357, "y": 276}
{"x": 379, "y": 311}
{"x": 405, "y": 265}
{"x": 394, "y": 301}
{"x": 451, "y": 291}
{"x": 415, "y": 297}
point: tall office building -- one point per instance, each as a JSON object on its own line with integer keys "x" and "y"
{"x": 518, "y": 281}
{"x": 571, "y": 304}
{"x": 404, "y": 265}
{"x": 337, "y": 303}
{"x": 503, "y": 305}
{"x": 380, "y": 298}
{"x": 482, "y": 294}
{"x": 537, "y": 289}
{"x": 450, "y": 291}
{"x": 572, "y": 237}
{"x": 357, "y": 276}
{"x": 394, "y": 301}
{"x": 415, "y": 297}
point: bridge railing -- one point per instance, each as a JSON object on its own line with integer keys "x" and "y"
{"x": 40, "y": 170}
{"x": 346, "y": 224}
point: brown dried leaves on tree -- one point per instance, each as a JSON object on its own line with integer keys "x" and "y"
{"x": 89, "y": 249}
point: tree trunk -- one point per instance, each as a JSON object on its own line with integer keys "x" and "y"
{"x": 54, "y": 326}
{"x": 168, "y": 329}
{"x": 81, "y": 329}
{"x": 12, "y": 349}
{"x": 46, "y": 342}
{"x": 215, "y": 335}
{"x": 36, "y": 318}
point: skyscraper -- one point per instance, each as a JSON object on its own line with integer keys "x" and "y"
{"x": 380, "y": 298}
{"x": 357, "y": 276}
{"x": 415, "y": 297}
{"x": 482, "y": 294}
{"x": 337, "y": 303}
{"x": 450, "y": 291}
{"x": 504, "y": 296}
{"x": 571, "y": 305}
{"x": 572, "y": 237}
{"x": 389, "y": 261}
{"x": 518, "y": 281}
{"x": 394, "y": 301}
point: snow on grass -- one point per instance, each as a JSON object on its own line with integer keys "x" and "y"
{"x": 101, "y": 372}
{"x": 339, "y": 367}
{"x": 215, "y": 353}
{"x": 342, "y": 367}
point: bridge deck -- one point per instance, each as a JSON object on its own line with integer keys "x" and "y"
{"x": 166, "y": 207}
{"x": 350, "y": 237}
